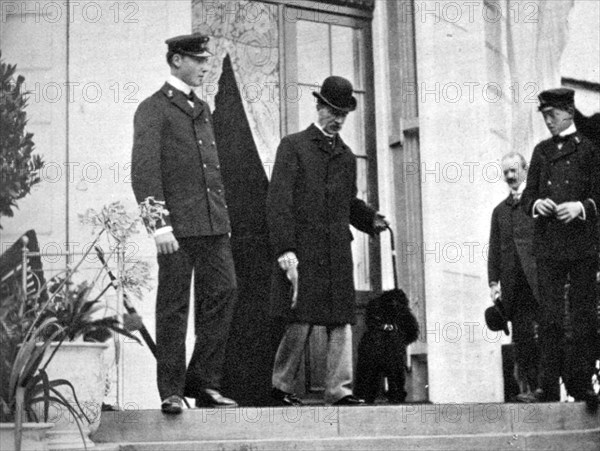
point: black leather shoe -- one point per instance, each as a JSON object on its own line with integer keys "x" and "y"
{"x": 172, "y": 405}
{"x": 212, "y": 398}
{"x": 288, "y": 399}
{"x": 591, "y": 399}
{"x": 349, "y": 400}
{"x": 530, "y": 397}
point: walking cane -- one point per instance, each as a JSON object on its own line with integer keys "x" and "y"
{"x": 131, "y": 309}
{"x": 393, "y": 247}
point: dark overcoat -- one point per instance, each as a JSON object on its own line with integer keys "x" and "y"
{"x": 310, "y": 206}
{"x": 511, "y": 251}
{"x": 175, "y": 160}
{"x": 569, "y": 174}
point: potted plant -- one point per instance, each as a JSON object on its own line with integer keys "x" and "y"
{"x": 50, "y": 329}
{"x": 19, "y": 168}
{"x": 24, "y": 383}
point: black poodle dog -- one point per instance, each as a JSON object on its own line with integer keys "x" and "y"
{"x": 391, "y": 326}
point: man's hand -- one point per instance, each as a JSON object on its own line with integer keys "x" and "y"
{"x": 380, "y": 223}
{"x": 495, "y": 292}
{"x": 288, "y": 262}
{"x": 166, "y": 243}
{"x": 568, "y": 211}
{"x": 546, "y": 207}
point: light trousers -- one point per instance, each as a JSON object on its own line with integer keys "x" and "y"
{"x": 338, "y": 376}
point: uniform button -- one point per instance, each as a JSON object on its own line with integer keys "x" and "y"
{"x": 204, "y": 165}
{"x": 566, "y": 182}
{"x": 549, "y": 182}
{"x": 568, "y": 162}
{"x": 205, "y": 119}
{"x": 218, "y": 166}
{"x": 213, "y": 143}
{"x": 200, "y": 141}
{"x": 208, "y": 190}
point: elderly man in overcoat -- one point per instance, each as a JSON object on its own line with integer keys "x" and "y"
{"x": 175, "y": 164}
{"x": 512, "y": 272}
{"x": 563, "y": 196}
{"x": 311, "y": 203}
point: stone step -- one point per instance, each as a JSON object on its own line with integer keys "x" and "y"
{"x": 416, "y": 426}
{"x": 573, "y": 440}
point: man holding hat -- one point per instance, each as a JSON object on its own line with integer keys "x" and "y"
{"x": 175, "y": 164}
{"x": 512, "y": 273}
{"x": 563, "y": 196}
{"x": 310, "y": 206}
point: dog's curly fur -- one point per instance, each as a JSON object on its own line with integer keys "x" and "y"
{"x": 391, "y": 307}
{"x": 383, "y": 352}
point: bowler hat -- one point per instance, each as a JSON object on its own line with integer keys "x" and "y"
{"x": 495, "y": 317}
{"x": 337, "y": 93}
{"x": 561, "y": 98}
{"x": 195, "y": 44}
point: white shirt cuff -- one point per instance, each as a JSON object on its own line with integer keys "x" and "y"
{"x": 535, "y": 214}
{"x": 163, "y": 230}
{"x": 582, "y": 214}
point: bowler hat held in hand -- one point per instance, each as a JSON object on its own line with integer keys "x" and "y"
{"x": 495, "y": 318}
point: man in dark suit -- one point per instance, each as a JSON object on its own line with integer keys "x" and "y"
{"x": 175, "y": 164}
{"x": 310, "y": 205}
{"x": 512, "y": 272}
{"x": 563, "y": 196}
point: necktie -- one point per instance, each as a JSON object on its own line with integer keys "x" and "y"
{"x": 561, "y": 139}
{"x": 515, "y": 197}
{"x": 192, "y": 97}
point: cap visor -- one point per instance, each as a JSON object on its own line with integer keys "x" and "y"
{"x": 204, "y": 54}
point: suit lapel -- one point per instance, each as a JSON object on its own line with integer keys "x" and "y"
{"x": 554, "y": 153}
{"x": 178, "y": 99}
{"x": 198, "y": 108}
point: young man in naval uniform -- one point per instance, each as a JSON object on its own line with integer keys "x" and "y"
{"x": 563, "y": 196}
{"x": 175, "y": 164}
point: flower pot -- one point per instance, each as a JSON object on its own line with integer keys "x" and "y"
{"x": 80, "y": 363}
{"x": 34, "y": 436}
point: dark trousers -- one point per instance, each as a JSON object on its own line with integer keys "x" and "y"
{"x": 524, "y": 315}
{"x": 215, "y": 290}
{"x": 575, "y": 366}
{"x": 381, "y": 354}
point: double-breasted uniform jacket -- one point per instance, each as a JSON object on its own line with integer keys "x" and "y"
{"x": 175, "y": 160}
{"x": 569, "y": 174}
{"x": 511, "y": 251}
{"x": 310, "y": 206}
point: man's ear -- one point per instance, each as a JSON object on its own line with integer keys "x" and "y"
{"x": 176, "y": 60}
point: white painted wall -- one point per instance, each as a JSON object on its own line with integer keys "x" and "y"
{"x": 115, "y": 59}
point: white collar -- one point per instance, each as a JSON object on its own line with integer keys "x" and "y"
{"x": 519, "y": 190}
{"x": 322, "y": 131}
{"x": 569, "y": 131}
{"x": 179, "y": 84}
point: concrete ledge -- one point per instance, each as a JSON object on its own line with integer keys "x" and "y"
{"x": 574, "y": 440}
{"x": 344, "y": 423}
